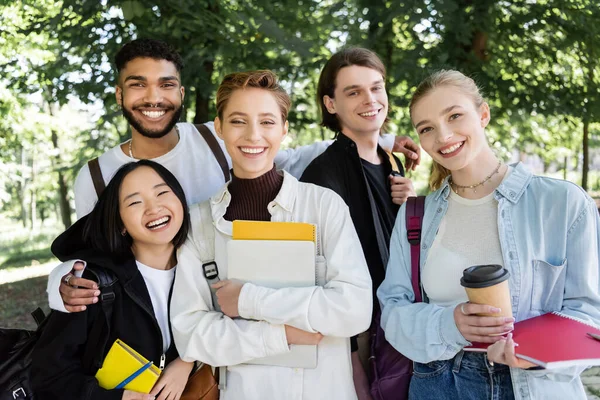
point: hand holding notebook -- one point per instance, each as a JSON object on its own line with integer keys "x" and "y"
{"x": 553, "y": 340}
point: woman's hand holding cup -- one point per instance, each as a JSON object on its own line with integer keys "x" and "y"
{"x": 484, "y": 329}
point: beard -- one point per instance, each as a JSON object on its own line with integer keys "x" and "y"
{"x": 149, "y": 133}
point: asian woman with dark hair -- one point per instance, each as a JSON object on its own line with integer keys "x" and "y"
{"x": 133, "y": 232}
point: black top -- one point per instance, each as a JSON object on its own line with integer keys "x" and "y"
{"x": 57, "y": 371}
{"x": 341, "y": 169}
{"x": 379, "y": 182}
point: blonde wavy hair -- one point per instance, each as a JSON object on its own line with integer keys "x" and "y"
{"x": 432, "y": 82}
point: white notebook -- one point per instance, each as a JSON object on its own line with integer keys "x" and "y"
{"x": 276, "y": 264}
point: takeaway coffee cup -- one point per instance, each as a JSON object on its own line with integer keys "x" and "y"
{"x": 488, "y": 284}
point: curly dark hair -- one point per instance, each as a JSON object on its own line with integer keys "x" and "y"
{"x": 150, "y": 48}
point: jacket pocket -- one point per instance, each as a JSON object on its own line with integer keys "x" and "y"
{"x": 548, "y": 286}
{"x": 320, "y": 271}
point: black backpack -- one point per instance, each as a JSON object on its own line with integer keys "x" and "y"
{"x": 17, "y": 345}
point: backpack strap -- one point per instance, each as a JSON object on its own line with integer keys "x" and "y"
{"x": 96, "y": 174}
{"x": 209, "y": 266}
{"x": 206, "y": 247}
{"x": 393, "y": 162}
{"x": 415, "y": 209}
{"x": 93, "y": 355}
{"x": 215, "y": 148}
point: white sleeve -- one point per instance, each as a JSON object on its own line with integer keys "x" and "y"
{"x": 296, "y": 160}
{"x": 340, "y": 308}
{"x": 209, "y": 336}
{"x": 386, "y": 141}
{"x": 54, "y": 300}
{"x": 85, "y": 192}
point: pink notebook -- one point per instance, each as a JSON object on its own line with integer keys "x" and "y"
{"x": 554, "y": 340}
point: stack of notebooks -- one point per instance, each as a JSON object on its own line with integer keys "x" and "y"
{"x": 275, "y": 255}
{"x": 554, "y": 340}
{"x": 125, "y": 368}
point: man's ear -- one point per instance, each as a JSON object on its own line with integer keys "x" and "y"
{"x": 329, "y": 104}
{"x": 218, "y": 128}
{"x": 484, "y": 114}
{"x": 182, "y": 89}
{"x": 119, "y": 96}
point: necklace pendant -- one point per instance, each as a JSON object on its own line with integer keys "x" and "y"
{"x": 474, "y": 190}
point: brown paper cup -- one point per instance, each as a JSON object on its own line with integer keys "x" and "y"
{"x": 497, "y": 295}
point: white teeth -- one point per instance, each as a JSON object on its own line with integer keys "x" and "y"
{"x": 252, "y": 150}
{"x": 153, "y": 114}
{"x": 369, "y": 114}
{"x": 452, "y": 148}
{"x": 158, "y": 222}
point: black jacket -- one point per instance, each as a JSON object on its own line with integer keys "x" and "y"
{"x": 339, "y": 168}
{"x": 57, "y": 371}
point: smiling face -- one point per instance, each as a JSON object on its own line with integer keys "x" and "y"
{"x": 151, "y": 213}
{"x": 252, "y": 128}
{"x": 360, "y": 101}
{"x": 451, "y": 127}
{"x": 151, "y": 95}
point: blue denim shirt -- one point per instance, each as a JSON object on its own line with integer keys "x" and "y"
{"x": 550, "y": 239}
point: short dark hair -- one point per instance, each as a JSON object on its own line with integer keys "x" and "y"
{"x": 326, "y": 87}
{"x": 103, "y": 227}
{"x": 148, "y": 48}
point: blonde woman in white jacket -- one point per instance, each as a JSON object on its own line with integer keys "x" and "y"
{"x": 252, "y": 120}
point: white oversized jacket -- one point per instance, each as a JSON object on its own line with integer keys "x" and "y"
{"x": 339, "y": 306}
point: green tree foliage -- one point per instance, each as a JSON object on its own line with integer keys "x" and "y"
{"x": 537, "y": 61}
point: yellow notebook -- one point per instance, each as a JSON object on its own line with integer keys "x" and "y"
{"x": 122, "y": 361}
{"x": 265, "y": 230}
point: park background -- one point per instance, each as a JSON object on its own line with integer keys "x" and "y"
{"x": 537, "y": 62}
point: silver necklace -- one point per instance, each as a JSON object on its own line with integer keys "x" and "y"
{"x": 456, "y": 186}
{"x": 131, "y": 141}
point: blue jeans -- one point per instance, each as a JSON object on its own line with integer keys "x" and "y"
{"x": 467, "y": 376}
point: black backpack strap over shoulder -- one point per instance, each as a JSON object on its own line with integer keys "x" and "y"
{"x": 93, "y": 356}
{"x": 215, "y": 148}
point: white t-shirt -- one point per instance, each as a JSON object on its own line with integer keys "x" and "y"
{"x": 159, "y": 283}
{"x": 467, "y": 236}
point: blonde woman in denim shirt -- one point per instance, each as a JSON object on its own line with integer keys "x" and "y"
{"x": 544, "y": 231}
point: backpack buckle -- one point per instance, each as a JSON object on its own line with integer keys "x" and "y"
{"x": 414, "y": 230}
{"x": 107, "y": 296}
{"x": 210, "y": 270}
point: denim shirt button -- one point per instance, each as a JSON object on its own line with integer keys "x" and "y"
{"x": 511, "y": 255}
{"x": 512, "y": 194}
{"x": 424, "y": 247}
{"x": 503, "y": 213}
{"x": 439, "y": 210}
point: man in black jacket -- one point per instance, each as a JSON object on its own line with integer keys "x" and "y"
{"x": 354, "y": 105}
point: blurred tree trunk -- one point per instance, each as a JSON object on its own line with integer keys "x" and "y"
{"x": 203, "y": 95}
{"x": 63, "y": 191}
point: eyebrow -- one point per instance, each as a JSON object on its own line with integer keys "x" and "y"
{"x": 137, "y": 193}
{"x": 444, "y": 111}
{"x": 144, "y": 79}
{"x": 351, "y": 87}
{"x": 241, "y": 114}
